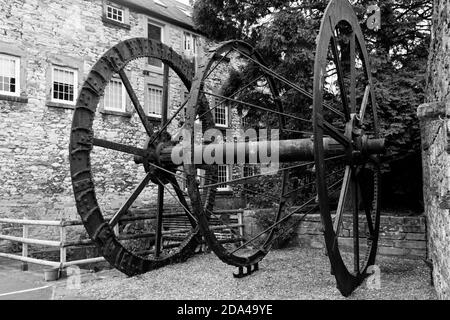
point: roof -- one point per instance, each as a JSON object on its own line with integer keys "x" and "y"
{"x": 170, "y": 11}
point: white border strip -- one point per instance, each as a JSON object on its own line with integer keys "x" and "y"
{"x": 23, "y": 291}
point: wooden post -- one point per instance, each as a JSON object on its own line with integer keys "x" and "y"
{"x": 240, "y": 217}
{"x": 24, "y": 247}
{"x": 62, "y": 249}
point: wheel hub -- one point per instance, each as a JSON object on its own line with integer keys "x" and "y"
{"x": 160, "y": 170}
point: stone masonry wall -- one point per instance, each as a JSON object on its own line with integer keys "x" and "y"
{"x": 436, "y": 166}
{"x": 399, "y": 236}
{"x": 35, "y": 181}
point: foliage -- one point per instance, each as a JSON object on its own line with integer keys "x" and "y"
{"x": 285, "y": 32}
{"x": 285, "y": 234}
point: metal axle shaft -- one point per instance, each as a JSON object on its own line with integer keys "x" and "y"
{"x": 259, "y": 151}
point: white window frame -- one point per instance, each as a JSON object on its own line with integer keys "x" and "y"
{"x": 185, "y": 11}
{"x": 192, "y": 51}
{"x": 228, "y": 187}
{"x": 162, "y": 27}
{"x": 75, "y": 85}
{"x": 16, "y": 59}
{"x": 224, "y": 105}
{"x": 158, "y": 2}
{"x": 118, "y": 10}
{"x": 147, "y": 107}
{"x": 124, "y": 98}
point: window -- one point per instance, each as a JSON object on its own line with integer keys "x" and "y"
{"x": 155, "y": 33}
{"x": 245, "y": 122}
{"x": 9, "y": 75}
{"x": 115, "y": 96}
{"x": 186, "y": 96}
{"x": 249, "y": 170}
{"x": 189, "y": 43}
{"x": 154, "y": 105}
{"x": 190, "y": 47}
{"x": 115, "y": 14}
{"x": 64, "y": 83}
{"x": 201, "y": 177}
{"x": 222, "y": 176}
{"x": 220, "y": 113}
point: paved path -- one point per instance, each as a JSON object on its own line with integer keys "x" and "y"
{"x": 18, "y": 285}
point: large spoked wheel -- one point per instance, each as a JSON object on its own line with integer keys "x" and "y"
{"x": 235, "y": 74}
{"x": 342, "y": 80}
{"x": 152, "y": 242}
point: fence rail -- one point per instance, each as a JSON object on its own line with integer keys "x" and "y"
{"x": 63, "y": 244}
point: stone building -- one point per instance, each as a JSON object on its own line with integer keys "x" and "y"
{"x": 435, "y": 134}
{"x": 47, "y": 48}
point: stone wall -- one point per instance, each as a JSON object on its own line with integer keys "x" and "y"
{"x": 399, "y": 236}
{"x": 436, "y": 174}
{"x": 35, "y": 180}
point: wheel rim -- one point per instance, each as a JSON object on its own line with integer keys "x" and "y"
{"x": 349, "y": 61}
{"x": 225, "y": 253}
{"x": 82, "y": 142}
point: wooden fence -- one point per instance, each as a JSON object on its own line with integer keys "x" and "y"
{"x": 63, "y": 243}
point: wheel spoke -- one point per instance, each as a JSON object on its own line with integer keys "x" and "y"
{"x": 311, "y": 183}
{"x": 353, "y": 72}
{"x": 256, "y": 106}
{"x": 123, "y": 210}
{"x": 274, "y": 225}
{"x": 304, "y": 215}
{"x": 342, "y": 199}
{"x": 305, "y": 164}
{"x": 180, "y": 199}
{"x": 367, "y": 207}
{"x": 166, "y": 171}
{"x": 291, "y": 84}
{"x": 362, "y": 111}
{"x": 241, "y": 188}
{"x": 311, "y": 200}
{"x": 137, "y": 105}
{"x": 218, "y": 63}
{"x": 340, "y": 73}
{"x": 335, "y": 134}
{"x": 160, "y": 131}
{"x": 235, "y": 93}
{"x": 119, "y": 147}
{"x": 255, "y": 176}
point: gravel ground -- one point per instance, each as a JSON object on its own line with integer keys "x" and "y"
{"x": 301, "y": 274}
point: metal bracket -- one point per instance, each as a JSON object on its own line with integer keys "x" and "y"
{"x": 241, "y": 273}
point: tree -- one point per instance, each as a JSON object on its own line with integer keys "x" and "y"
{"x": 285, "y": 32}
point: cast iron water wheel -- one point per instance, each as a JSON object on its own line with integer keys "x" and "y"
{"x": 337, "y": 125}
{"x": 218, "y": 64}
{"x": 288, "y": 191}
{"x": 342, "y": 77}
{"x": 82, "y": 141}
